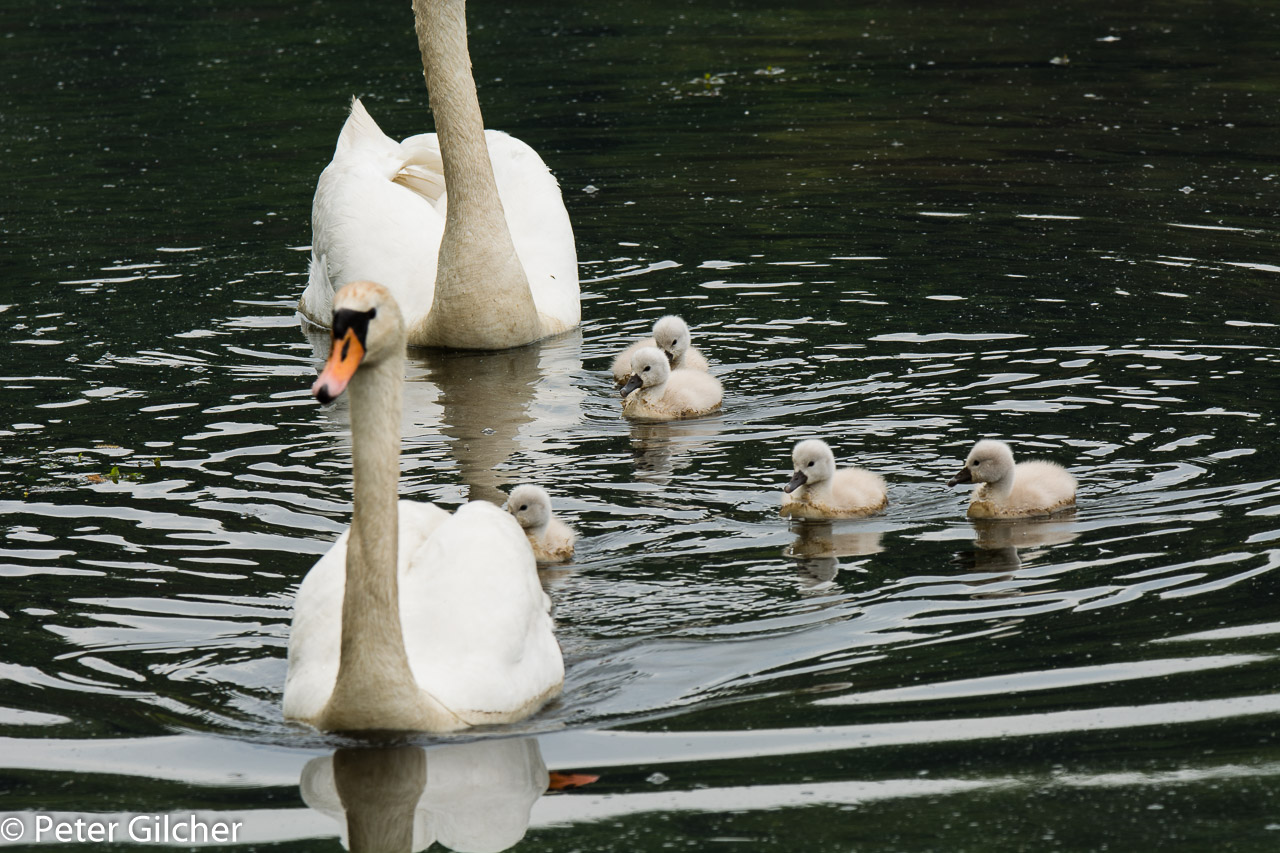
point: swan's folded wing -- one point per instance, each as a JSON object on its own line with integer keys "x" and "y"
{"x": 540, "y": 229}
{"x": 422, "y": 168}
{"x": 474, "y": 616}
{"x": 316, "y": 635}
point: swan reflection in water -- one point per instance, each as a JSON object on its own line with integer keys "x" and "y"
{"x": 819, "y": 545}
{"x": 496, "y": 411}
{"x": 471, "y": 796}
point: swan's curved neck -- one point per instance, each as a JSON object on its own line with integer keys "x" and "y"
{"x": 372, "y": 660}
{"x": 482, "y": 297}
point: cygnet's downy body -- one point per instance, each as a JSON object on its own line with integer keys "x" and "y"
{"x": 656, "y": 392}
{"x": 671, "y": 335}
{"x": 551, "y": 539}
{"x": 819, "y": 490}
{"x": 1008, "y": 490}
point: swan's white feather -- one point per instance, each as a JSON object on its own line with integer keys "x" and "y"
{"x": 476, "y": 624}
{"x": 379, "y": 214}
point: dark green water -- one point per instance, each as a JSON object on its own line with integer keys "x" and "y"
{"x": 900, "y": 228}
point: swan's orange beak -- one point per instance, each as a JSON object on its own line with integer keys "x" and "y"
{"x": 344, "y": 358}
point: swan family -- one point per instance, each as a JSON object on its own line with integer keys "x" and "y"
{"x": 418, "y": 619}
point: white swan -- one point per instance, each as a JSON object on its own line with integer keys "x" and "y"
{"x": 552, "y": 540}
{"x": 656, "y": 392}
{"x": 415, "y": 619}
{"x": 818, "y": 490}
{"x": 465, "y": 227}
{"x": 1007, "y": 490}
{"x": 671, "y": 335}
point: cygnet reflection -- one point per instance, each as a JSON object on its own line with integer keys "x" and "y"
{"x": 1004, "y": 546}
{"x": 819, "y": 545}
{"x": 994, "y": 533}
{"x": 472, "y": 797}
{"x": 661, "y": 448}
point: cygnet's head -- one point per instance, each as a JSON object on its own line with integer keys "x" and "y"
{"x": 989, "y": 462}
{"x": 367, "y": 326}
{"x": 672, "y": 337}
{"x": 649, "y": 367}
{"x": 531, "y": 505}
{"x": 812, "y": 461}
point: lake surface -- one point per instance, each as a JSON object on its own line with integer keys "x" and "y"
{"x": 900, "y": 228}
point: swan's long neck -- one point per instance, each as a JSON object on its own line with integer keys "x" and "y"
{"x": 373, "y": 667}
{"x": 482, "y": 298}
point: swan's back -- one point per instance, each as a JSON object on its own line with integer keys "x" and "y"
{"x": 1042, "y": 487}
{"x": 477, "y": 627}
{"x": 858, "y": 490}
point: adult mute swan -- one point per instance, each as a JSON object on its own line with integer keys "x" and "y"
{"x": 671, "y": 335}
{"x": 656, "y": 392}
{"x": 551, "y": 539}
{"x": 415, "y": 619}
{"x": 1006, "y": 490}
{"x": 818, "y": 489}
{"x": 465, "y": 227}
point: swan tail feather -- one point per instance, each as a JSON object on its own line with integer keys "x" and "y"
{"x": 361, "y": 132}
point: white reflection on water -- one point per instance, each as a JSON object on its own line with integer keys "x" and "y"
{"x": 471, "y": 796}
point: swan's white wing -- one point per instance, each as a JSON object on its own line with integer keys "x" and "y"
{"x": 316, "y": 635}
{"x": 476, "y": 624}
{"x": 540, "y": 228}
{"x": 369, "y": 221}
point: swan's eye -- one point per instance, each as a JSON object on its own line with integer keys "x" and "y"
{"x": 523, "y": 507}
{"x": 810, "y": 464}
{"x": 646, "y": 370}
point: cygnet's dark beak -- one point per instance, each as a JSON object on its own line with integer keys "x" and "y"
{"x": 632, "y": 384}
{"x": 798, "y": 479}
{"x": 671, "y": 357}
{"x": 963, "y": 476}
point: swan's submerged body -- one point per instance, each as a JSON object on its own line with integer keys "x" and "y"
{"x": 1009, "y": 490}
{"x": 416, "y": 619}
{"x": 466, "y": 228}
{"x": 671, "y": 335}
{"x": 819, "y": 490}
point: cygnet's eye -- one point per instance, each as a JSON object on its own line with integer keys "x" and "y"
{"x": 810, "y": 464}
{"x": 523, "y": 507}
{"x": 975, "y": 463}
{"x": 646, "y": 370}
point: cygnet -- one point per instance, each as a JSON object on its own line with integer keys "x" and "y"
{"x": 671, "y": 335}
{"x": 551, "y": 539}
{"x": 1007, "y": 490}
{"x": 819, "y": 490}
{"x": 656, "y": 392}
